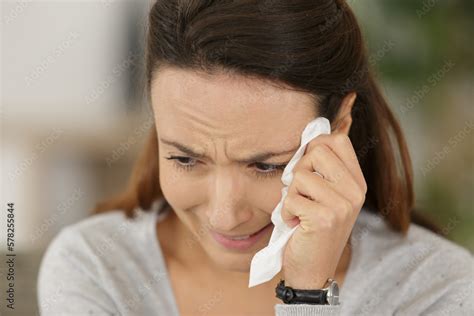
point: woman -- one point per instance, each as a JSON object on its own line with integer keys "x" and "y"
{"x": 232, "y": 85}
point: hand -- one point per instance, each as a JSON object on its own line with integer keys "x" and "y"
{"x": 325, "y": 208}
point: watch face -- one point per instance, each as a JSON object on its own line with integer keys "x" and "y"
{"x": 333, "y": 294}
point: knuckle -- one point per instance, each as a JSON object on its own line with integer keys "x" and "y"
{"x": 310, "y": 146}
{"x": 321, "y": 148}
{"x": 342, "y": 139}
{"x": 357, "y": 198}
{"x": 365, "y": 188}
{"x": 287, "y": 202}
{"x": 345, "y": 209}
{"x": 285, "y": 215}
{"x": 298, "y": 178}
{"x": 329, "y": 220}
{"x": 299, "y": 165}
{"x": 316, "y": 155}
{"x": 357, "y": 194}
{"x": 360, "y": 199}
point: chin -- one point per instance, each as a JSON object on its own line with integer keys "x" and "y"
{"x": 233, "y": 262}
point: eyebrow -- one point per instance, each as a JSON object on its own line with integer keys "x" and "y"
{"x": 255, "y": 158}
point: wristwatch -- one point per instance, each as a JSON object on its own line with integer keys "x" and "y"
{"x": 329, "y": 295}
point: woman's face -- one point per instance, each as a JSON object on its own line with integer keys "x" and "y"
{"x": 214, "y": 135}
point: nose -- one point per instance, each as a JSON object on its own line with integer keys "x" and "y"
{"x": 228, "y": 207}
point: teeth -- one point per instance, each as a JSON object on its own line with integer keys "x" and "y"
{"x": 240, "y": 238}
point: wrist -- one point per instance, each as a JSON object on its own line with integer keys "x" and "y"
{"x": 306, "y": 283}
{"x": 306, "y": 279}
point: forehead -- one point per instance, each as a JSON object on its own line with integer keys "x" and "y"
{"x": 224, "y": 106}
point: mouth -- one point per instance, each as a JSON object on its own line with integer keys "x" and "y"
{"x": 241, "y": 242}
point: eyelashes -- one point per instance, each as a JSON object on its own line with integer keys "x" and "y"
{"x": 177, "y": 162}
{"x": 269, "y": 170}
{"x": 276, "y": 170}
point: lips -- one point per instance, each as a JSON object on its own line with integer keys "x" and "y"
{"x": 241, "y": 242}
{"x": 239, "y": 237}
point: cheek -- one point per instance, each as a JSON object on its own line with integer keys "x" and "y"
{"x": 266, "y": 194}
{"x": 184, "y": 191}
{"x": 180, "y": 190}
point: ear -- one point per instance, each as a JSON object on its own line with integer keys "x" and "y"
{"x": 343, "y": 120}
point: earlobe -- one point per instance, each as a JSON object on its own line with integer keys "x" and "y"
{"x": 344, "y": 118}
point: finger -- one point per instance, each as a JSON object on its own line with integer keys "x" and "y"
{"x": 312, "y": 216}
{"x": 294, "y": 206}
{"x": 339, "y": 178}
{"x": 324, "y": 161}
{"x": 314, "y": 188}
{"x": 341, "y": 145}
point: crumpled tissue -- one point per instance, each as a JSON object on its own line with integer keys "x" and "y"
{"x": 267, "y": 262}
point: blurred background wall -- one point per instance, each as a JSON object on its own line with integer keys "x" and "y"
{"x": 73, "y": 113}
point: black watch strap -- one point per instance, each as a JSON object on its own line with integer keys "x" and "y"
{"x": 296, "y": 296}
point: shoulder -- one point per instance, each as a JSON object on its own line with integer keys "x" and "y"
{"x": 420, "y": 245}
{"x": 103, "y": 240}
{"x": 89, "y": 262}
{"x": 101, "y": 236}
{"x": 420, "y": 271}
{"x": 74, "y": 259}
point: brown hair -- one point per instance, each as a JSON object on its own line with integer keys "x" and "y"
{"x": 311, "y": 46}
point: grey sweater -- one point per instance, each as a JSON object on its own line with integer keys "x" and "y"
{"x": 109, "y": 265}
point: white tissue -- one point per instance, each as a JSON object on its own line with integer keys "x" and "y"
{"x": 267, "y": 262}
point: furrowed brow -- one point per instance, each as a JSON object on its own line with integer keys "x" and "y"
{"x": 255, "y": 158}
{"x": 266, "y": 155}
{"x": 189, "y": 151}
